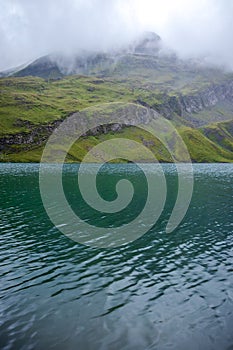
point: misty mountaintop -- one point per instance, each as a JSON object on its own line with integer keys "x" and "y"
{"x": 146, "y": 59}
{"x": 197, "y": 98}
{"x": 57, "y": 65}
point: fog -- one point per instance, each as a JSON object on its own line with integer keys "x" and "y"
{"x": 30, "y": 29}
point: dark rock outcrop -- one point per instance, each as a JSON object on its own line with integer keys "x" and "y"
{"x": 184, "y": 106}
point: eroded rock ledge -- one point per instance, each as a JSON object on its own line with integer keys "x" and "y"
{"x": 184, "y": 106}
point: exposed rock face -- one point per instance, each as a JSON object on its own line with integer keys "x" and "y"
{"x": 187, "y": 105}
{"x": 130, "y": 114}
{"x": 57, "y": 65}
{"x": 184, "y": 106}
{"x": 149, "y": 44}
{"x": 104, "y": 129}
{"x": 43, "y": 67}
{"x": 36, "y": 136}
{"x": 84, "y": 63}
{"x": 207, "y": 98}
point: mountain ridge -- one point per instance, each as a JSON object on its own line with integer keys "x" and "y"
{"x": 194, "y": 97}
{"x": 57, "y": 65}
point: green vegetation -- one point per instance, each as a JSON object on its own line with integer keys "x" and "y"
{"x": 201, "y": 148}
{"x": 40, "y": 101}
{"x": 32, "y": 105}
{"x": 221, "y": 133}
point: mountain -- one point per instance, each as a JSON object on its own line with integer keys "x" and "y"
{"x": 196, "y": 98}
{"x": 57, "y": 65}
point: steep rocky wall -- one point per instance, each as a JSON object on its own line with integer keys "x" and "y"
{"x": 128, "y": 114}
{"x": 203, "y": 99}
{"x": 36, "y": 135}
{"x": 184, "y": 105}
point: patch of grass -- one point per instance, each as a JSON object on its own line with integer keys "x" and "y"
{"x": 220, "y": 133}
{"x": 30, "y": 156}
{"x": 29, "y": 102}
{"x": 202, "y": 149}
{"x": 38, "y": 101}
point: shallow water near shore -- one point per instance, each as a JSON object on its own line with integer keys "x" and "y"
{"x": 162, "y": 291}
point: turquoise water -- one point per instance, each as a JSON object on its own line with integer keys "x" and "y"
{"x": 162, "y": 291}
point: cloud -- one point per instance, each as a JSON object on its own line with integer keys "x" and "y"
{"x": 192, "y": 28}
{"x": 29, "y": 29}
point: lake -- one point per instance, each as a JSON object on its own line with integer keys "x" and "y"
{"x": 161, "y": 291}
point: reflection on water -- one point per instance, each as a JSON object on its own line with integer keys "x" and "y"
{"x": 163, "y": 291}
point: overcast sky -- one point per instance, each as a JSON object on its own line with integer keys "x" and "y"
{"x": 31, "y": 28}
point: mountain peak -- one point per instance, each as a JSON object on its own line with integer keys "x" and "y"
{"x": 149, "y": 43}
{"x": 57, "y": 65}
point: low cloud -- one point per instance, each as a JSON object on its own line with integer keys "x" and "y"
{"x": 29, "y": 29}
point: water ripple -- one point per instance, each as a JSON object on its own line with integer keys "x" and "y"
{"x": 162, "y": 291}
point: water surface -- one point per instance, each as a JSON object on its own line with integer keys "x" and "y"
{"x": 162, "y": 291}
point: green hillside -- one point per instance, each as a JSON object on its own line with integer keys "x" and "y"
{"x": 196, "y": 99}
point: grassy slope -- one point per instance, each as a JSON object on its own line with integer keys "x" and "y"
{"x": 220, "y": 133}
{"x": 41, "y": 101}
{"x": 135, "y": 78}
{"x": 201, "y": 148}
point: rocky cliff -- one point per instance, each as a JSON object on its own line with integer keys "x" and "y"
{"x": 185, "y": 106}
